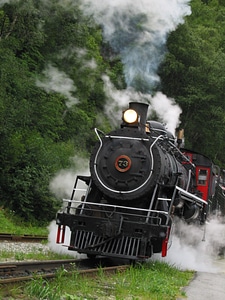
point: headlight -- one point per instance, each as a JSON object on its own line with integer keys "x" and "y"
{"x": 130, "y": 116}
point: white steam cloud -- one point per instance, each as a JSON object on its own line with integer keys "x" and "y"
{"x": 166, "y": 108}
{"x": 62, "y": 184}
{"x": 197, "y": 248}
{"x": 58, "y": 81}
{"x": 62, "y": 187}
{"x": 138, "y": 31}
{"x": 118, "y": 99}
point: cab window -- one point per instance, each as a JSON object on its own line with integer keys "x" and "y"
{"x": 202, "y": 177}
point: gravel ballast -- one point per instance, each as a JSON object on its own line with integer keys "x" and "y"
{"x": 22, "y": 248}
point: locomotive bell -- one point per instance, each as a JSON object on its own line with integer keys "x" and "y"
{"x": 135, "y": 116}
{"x": 180, "y": 137}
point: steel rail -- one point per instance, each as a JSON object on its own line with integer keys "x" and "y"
{"x": 23, "y": 271}
{"x": 22, "y": 238}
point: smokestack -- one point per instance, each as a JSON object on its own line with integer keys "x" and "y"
{"x": 141, "y": 109}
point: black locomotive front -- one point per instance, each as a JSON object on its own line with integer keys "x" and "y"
{"x": 126, "y": 210}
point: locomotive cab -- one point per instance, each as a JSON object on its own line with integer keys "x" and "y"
{"x": 205, "y": 173}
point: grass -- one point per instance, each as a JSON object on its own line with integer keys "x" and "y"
{"x": 11, "y": 224}
{"x": 152, "y": 281}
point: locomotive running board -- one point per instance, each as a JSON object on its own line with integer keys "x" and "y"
{"x": 190, "y": 197}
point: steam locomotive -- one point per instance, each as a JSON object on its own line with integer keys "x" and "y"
{"x": 141, "y": 180}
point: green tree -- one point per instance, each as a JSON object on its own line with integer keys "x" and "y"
{"x": 39, "y": 132}
{"x": 193, "y": 74}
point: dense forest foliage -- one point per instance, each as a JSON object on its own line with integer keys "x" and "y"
{"x": 52, "y": 93}
{"x": 193, "y": 73}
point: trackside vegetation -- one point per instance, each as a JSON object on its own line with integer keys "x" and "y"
{"x": 11, "y": 223}
{"x": 150, "y": 281}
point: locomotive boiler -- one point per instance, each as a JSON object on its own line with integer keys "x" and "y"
{"x": 140, "y": 180}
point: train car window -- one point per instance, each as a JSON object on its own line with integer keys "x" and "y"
{"x": 202, "y": 176}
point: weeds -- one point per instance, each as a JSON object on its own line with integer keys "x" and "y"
{"x": 42, "y": 290}
{"x": 150, "y": 281}
{"x": 19, "y": 256}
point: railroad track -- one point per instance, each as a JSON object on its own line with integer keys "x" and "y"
{"x": 22, "y": 271}
{"x": 22, "y": 238}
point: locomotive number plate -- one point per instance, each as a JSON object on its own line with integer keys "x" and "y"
{"x": 123, "y": 163}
